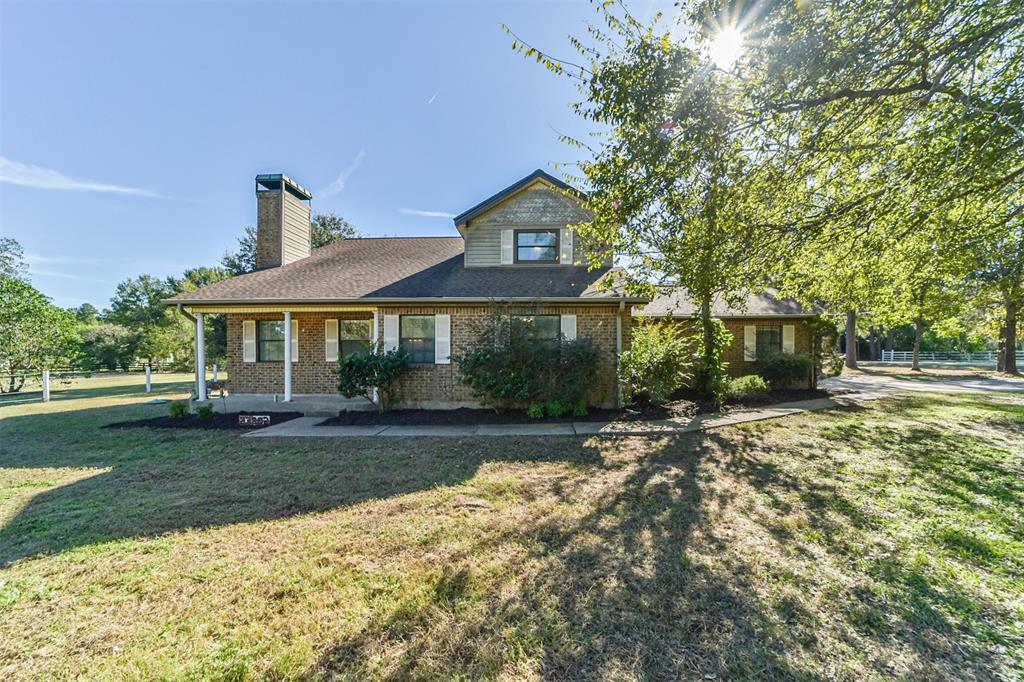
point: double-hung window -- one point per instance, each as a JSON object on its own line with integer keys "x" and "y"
{"x": 355, "y": 337}
{"x": 270, "y": 340}
{"x": 536, "y": 246}
{"x": 769, "y": 341}
{"x": 416, "y": 337}
{"x": 541, "y": 327}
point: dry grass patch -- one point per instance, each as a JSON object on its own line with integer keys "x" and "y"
{"x": 855, "y": 544}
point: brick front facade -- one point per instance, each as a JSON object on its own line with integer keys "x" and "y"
{"x": 422, "y": 385}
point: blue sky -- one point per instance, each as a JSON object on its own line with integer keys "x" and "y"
{"x": 130, "y": 133}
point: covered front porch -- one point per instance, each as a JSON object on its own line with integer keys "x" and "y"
{"x": 284, "y": 357}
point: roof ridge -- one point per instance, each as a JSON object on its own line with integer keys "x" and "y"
{"x": 413, "y": 236}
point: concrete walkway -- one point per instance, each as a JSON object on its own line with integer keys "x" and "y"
{"x": 305, "y": 427}
{"x": 927, "y": 383}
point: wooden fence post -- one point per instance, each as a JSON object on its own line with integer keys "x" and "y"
{"x": 46, "y": 385}
{"x": 149, "y": 379}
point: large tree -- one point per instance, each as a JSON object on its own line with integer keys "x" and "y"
{"x": 676, "y": 191}
{"x": 324, "y": 229}
{"x": 36, "y": 334}
{"x": 138, "y": 305}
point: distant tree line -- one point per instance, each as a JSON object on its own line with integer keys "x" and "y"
{"x": 136, "y": 328}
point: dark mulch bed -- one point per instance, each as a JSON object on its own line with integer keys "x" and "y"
{"x": 228, "y": 420}
{"x": 683, "y": 406}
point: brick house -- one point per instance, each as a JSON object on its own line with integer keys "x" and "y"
{"x": 762, "y": 324}
{"x": 290, "y": 320}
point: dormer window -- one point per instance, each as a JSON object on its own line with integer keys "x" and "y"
{"x": 536, "y": 246}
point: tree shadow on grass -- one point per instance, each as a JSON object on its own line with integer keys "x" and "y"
{"x": 649, "y": 583}
{"x": 641, "y": 586}
{"x": 145, "y": 482}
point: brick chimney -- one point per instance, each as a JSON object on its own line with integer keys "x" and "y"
{"x": 282, "y": 221}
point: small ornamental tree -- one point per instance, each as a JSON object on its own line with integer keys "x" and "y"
{"x": 360, "y": 373}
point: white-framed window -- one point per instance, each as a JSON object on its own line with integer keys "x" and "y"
{"x": 537, "y": 246}
{"x": 354, "y": 336}
{"x": 270, "y": 340}
{"x": 417, "y": 337}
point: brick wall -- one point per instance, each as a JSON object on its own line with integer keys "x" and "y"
{"x": 312, "y": 374}
{"x": 436, "y": 385}
{"x": 268, "y": 236}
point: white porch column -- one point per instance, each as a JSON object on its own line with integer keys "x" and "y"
{"x": 287, "y": 357}
{"x": 375, "y": 347}
{"x": 200, "y": 356}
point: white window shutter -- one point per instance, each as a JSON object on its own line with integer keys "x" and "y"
{"x": 248, "y": 340}
{"x": 565, "y": 250}
{"x": 295, "y": 341}
{"x": 506, "y": 247}
{"x": 442, "y": 339}
{"x": 749, "y": 343}
{"x": 568, "y": 327}
{"x": 390, "y": 332}
{"x": 331, "y": 340}
{"x": 788, "y": 338}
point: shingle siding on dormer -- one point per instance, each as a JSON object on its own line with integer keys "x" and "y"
{"x": 536, "y": 206}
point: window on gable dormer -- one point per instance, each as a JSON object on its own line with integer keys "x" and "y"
{"x": 537, "y": 246}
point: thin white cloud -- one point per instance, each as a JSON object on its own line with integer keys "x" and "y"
{"x": 39, "y": 259}
{"x": 343, "y": 176}
{"x": 433, "y": 97}
{"x": 25, "y": 175}
{"x": 66, "y": 275}
{"x": 426, "y": 214}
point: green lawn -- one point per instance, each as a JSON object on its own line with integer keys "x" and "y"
{"x": 864, "y": 543}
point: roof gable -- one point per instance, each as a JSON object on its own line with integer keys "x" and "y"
{"x": 536, "y": 177}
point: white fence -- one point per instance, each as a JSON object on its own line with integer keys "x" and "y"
{"x": 38, "y": 385}
{"x": 982, "y": 356}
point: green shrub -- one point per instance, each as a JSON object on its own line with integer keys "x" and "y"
{"x": 580, "y": 409}
{"x": 535, "y": 411}
{"x": 179, "y": 409}
{"x": 783, "y": 369}
{"x": 555, "y": 408}
{"x": 360, "y": 373}
{"x": 657, "y": 364}
{"x": 746, "y": 387}
{"x": 507, "y": 366}
{"x": 205, "y": 411}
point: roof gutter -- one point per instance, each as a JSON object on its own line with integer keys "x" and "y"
{"x": 409, "y": 301}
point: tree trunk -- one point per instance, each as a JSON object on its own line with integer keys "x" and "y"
{"x": 851, "y": 339}
{"x": 708, "y": 333}
{"x": 918, "y": 333}
{"x": 1010, "y": 338}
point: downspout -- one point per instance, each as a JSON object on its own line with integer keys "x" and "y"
{"x": 188, "y": 316}
{"x": 618, "y": 352}
{"x": 200, "y": 386}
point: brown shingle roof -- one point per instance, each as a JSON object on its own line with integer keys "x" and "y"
{"x": 676, "y": 302}
{"x": 399, "y": 268}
